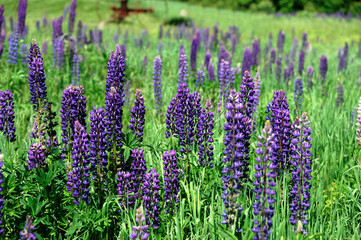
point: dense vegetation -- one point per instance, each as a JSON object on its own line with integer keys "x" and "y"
{"x": 70, "y": 85}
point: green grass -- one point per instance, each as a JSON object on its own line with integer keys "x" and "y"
{"x": 335, "y": 195}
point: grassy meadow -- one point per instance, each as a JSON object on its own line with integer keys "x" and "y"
{"x": 335, "y": 211}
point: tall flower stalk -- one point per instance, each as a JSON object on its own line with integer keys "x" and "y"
{"x": 157, "y": 84}
{"x": 301, "y": 171}
{"x": 137, "y": 114}
{"x": 264, "y": 185}
{"x": 205, "y": 132}
{"x": 171, "y": 182}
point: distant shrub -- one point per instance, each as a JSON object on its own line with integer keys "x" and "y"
{"x": 263, "y": 6}
{"x": 178, "y": 21}
{"x": 355, "y": 8}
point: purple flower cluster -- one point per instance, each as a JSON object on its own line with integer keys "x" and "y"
{"x": 224, "y": 80}
{"x": 256, "y": 52}
{"x": 1, "y": 196}
{"x": 301, "y": 171}
{"x": 72, "y": 15}
{"x": 116, "y": 71}
{"x": 265, "y": 183}
{"x": 73, "y": 107}
{"x": 281, "y": 128}
{"x": 123, "y": 188}
{"x": 358, "y": 124}
{"x": 278, "y": 68}
{"x": 247, "y": 61}
{"x": 193, "y": 55}
{"x": 235, "y": 170}
{"x": 157, "y": 84}
{"x": 281, "y": 41}
{"x": 171, "y": 181}
{"x": 7, "y": 125}
{"x": 205, "y": 132}
{"x": 138, "y": 170}
{"x": 183, "y": 69}
{"x": 200, "y": 78}
{"x": 36, "y": 156}
{"x": 323, "y": 68}
{"x": 79, "y": 176}
{"x": 256, "y": 96}
{"x": 301, "y": 62}
{"x": 36, "y": 77}
{"x": 139, "y": 232}
{"x": 21, "y": 17}
{"x": 151, "y": 197}
{"x": 137, "y": 114}
{"x": 210, "y": 69}
{"x": 309, "y": 77}
{"x": 340, "y": 95}
{"x": 113, "y": 124}
{"x": 298, "y": 91}
{"x": 13, "y": 47}
{"x": 98, "y": 144}
{"x": 27, "y": 233}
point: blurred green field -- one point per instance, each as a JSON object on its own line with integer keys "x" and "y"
{"x": 336, "y": 192}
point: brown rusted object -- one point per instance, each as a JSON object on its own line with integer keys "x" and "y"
{"x": 120, "y": 13}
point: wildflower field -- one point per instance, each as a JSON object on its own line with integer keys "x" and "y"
{"x": 232, "y": 125}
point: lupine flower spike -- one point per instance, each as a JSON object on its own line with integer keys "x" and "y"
{"x": 205, "y": 133}
{"x": 140, "y": 231}
{"x": 137, "y": 114}
{"x": 151, "y": 198}
{"x": 264, "y": 183}
{"x": 157, "y": 84}
{"x": 171, "y": 182}
{"x": 27, "y": 233}
{"x": 7, "y": 124}
{"x": 298, "y": 94}
{"x": 1, "y": 195}
{"x": 358, "y": 124}
{"x": 340, "y": 95}
{"x": 301, "y": 171}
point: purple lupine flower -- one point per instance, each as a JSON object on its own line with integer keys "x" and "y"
{"x": 60, "y": 53}
{"x": 27, "y": 233}
{"x": 44, "y": 47}
{"x": 171, "y": 182}
{"x": 301, "y": 171}
{"x": 247, "y": 61}
{"x": 264, "y": 184}
{"x": 224, "y": 80}
{"x": 79, "y": 176}
{"x": 73, "y": 107}
{"x": 358, "y": 124}
{"x": 291, "y": 69}
{"x": 139, "y": 232}
{"x": 309, "y": 77}
{"x": 281, "y": 41}
{"x": 340, "y": 95}
{"x": 98, "y": 144}
{"x": 220, "y": 57}
{"x": 345, "y": 54}
{"x": 1, "y": 195}
{"x": 65, "y": 11}
{"x": 127, "y": 93}
{"x": 256, "y": 51}
{"x": 2, "y": 18}
{"x": 13, "y": 47}
{"x": 272, "y": 58}
{"x": 72, "y": 15}
{"x": 183, "y": 70}
{"x": 116, "y": 71}
{"x": 286, "y": 76}
{"x": 80, "y": 34}
{"x": 138, "y": 170}
{"x": 75, "y": 68}
{"x": 23, "y": 53}
{"x": 234, "y": 157}
{"x": 123, "y": 188}
{"x": 181, "y": 52}
{"x": 200, "y": 78}
{"x": 298, "y": 94}
{"x": 210, "y": 69}
{"x": 36, "y": 156}
{"x": 160, "y": 32}
{"x": 301, "y": 62}
{"x": 36, "y": 77}
{"x": 341, "y": 63}
{"x": 281, "y": 127}
{"x": 294, "y": 49}
{"x": 7, "y": 125}
{"x": 287, "y": 59}
{"x": 304, "y": 41}
{"x": 151, "y": 197}
{"x": 207, "y": 59}
{"x": 256, "y": 97}
{"x": 137, "y": 114}
{"x": 205, "y": 133}
{"x": 270, "y": 40}
{"x": 323, "y": 68}
{"x": 193, "y": 55}
{"x": 113, "y": 124}
{"x": 21, "y": 17}
{"x": 157, "y": 84}
{"x": 279, "y": 68}
{"x": 234, "y": 43}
